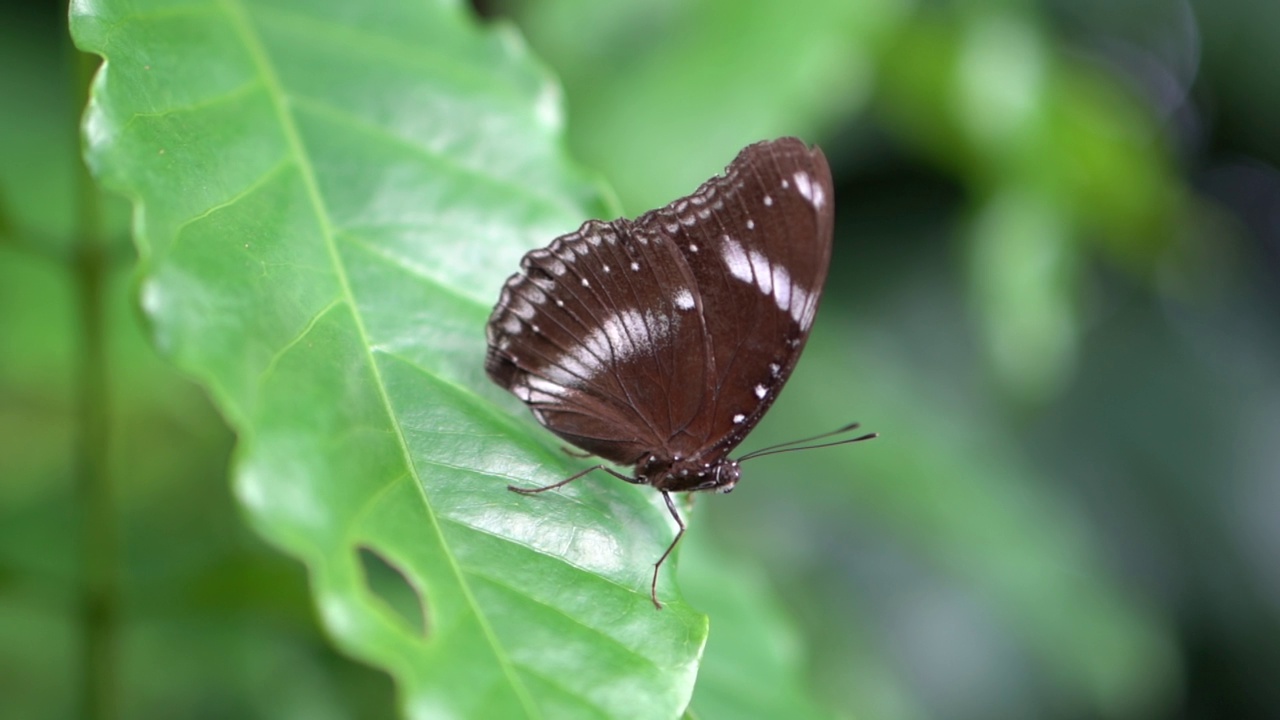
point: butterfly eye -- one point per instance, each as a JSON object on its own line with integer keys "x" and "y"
{"x": 727, "y": 476}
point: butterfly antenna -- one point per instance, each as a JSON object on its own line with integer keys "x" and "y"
{"x": 791, "y": 445}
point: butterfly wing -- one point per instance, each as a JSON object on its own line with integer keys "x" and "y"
{"x": 757, "y": 241}
{"x": 601, "y": 335}
{"x": 674, "y": 333}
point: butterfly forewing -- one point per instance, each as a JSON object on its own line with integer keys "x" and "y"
{"x": 758, "y": 243}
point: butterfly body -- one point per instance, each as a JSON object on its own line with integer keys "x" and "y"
{"x": 688, "y": 474}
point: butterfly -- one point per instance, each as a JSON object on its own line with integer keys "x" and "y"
{"x": 658, "y": 343}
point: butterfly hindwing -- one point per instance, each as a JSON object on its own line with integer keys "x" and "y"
{"x": 601, "y": 335}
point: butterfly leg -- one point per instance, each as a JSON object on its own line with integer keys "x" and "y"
{"x": 571, "y": 478}
{"x": 653, "y": 586}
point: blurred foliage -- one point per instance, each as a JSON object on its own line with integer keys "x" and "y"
{"x": 1055, "y": 292}
{"x": 1022, "y": 207}
{"x": 211, "y": 622}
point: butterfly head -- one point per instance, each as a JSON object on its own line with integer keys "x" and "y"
{"x": 727, "y": 474}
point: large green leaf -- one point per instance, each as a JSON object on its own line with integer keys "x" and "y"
{"x": 328, "y": 196}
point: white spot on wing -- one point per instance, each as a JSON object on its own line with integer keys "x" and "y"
{"x": 684, "y": 299}
{"x": 586, "y": 282}
{"x": 751, "y": 266}
{"x": 539, "y": 389}
{"x": 768, "y": 201}
{"x": 635, "y": 266}
{"x": 693, "y": 247}
{"x": 617, "y": 339}
{"x": 782, "y": 281}
{"x": 801, "y": 311}
{"x": 811, "y": 191}
{"x": 522, "y": 309}
{"x": 739, "y": 418}
{"x": 761, "y": 391}
{"x": 751, "y": 224}
{"x": 760, "y": 266}
{"x": 736, "y": 258}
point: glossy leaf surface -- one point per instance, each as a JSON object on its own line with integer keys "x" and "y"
{"x": 327, "y": 197}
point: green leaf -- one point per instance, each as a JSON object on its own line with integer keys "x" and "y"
{"x": 328, "y": 197}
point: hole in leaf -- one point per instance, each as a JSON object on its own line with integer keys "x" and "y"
{"x": 390, "y": 585}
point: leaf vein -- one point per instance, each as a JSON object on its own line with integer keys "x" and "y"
{"x": 261, "y": 58}
{"x": 356, "y": 122}
{"x": 385, "y": 47}
{"x": 260, "y": 182}
{"x": 526, "y": 546}
{"x": 436, "y": 282}
{"x": 204, "y": 103}
{"x": 270, "y": 367}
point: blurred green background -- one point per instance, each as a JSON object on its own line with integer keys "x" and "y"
{"x": 1056, "y": 293}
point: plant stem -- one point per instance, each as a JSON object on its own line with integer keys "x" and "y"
{"x": 98, "y": 600}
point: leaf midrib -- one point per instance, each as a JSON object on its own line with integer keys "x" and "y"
{"x": 275, "y": 91}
